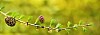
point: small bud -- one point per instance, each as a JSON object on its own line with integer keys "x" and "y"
{"x": 27, "y": 23}
{"x": 88, "y": 24}
{"x": 37, "y": 27}
{"x": 41, "y": 19}
{"x": 49, "y": 30}
{"x": 10, "y": 21}
{"x": 58, "y": 30}
{"x": 42, "y": 26}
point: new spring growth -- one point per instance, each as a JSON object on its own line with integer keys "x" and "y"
{"x": 41, "y": 19}
{"x": 11, "y": 21}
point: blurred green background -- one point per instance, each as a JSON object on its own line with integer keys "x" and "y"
{"x": 61, "y": 10}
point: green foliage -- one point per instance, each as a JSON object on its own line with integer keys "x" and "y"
{"x": 22, "y": 16}
{"x": 13, "y": 14}
{"x": 75, "y": 26}
{"x": 29, "y": 18}
{"x": 68, "y": 24}
{"x": 80, "y": 22}
{"x": 58, "y": 25}
{"x": 37, "y": 21}
{"x": 68, "y": 30}
{"x": 84, "y": 29}
{"x": 91, "y": 24}
{"x": 52, "y": 22}
{"x": 1, "y": 8}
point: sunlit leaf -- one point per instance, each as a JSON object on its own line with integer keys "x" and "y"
{"x": 53, "y": 21}
{"x": 75, "y": 26}
{"x": 13, "y": 14}
{"x": 80, "y": 22}
{"x": 91, "y": 24}
{"x": 68, "y": 30}
{"x": 58, "y": 30}
{"x": 84, "y": 29}
{"x": 68, "y": 24}
{"x": 22, "y": 16}
{"x": 29, "y": 18}
{"x": 37, "y": 20}
{"x": 58, "y": 25}
{"x": 9, "y": 13}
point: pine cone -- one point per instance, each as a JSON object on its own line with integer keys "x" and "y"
{"x": 10, "y": 21}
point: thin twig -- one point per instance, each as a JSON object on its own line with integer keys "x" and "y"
{"x": 39, "y": 26}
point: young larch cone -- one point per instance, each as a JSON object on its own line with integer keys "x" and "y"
{"x": 41, "y": 19}
{"x": 10, "y": 21}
